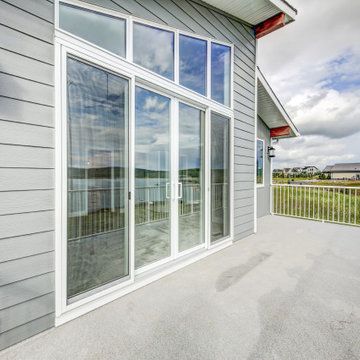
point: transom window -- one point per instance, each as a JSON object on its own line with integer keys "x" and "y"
{"x": 175, "y": 56}
{"x": 105, "y": 31}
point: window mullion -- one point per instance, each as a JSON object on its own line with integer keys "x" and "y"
{"x": 176, "y": 57}
{"x": 208, "y": 69}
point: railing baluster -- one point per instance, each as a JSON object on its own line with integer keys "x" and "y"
{"x": 328, "y": 203}
{"x": 338, "y": 220}
{"x": 288, "y": 204}
{"x": 333, "y": 206}
{"x": 344, "y": 205}
{"x": 284, "y": 200}
{"x": 355, "y": 214}
{"x": 349, "y": 206}
{"x": 318, "y": 189}
{"x": 313, "y": 203}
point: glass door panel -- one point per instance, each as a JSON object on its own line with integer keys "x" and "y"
{"x": 220, "y": 177}
{"x": 152, "y": 177}
{"x": 97, "y": 177}
{"x": 191, "y": 177}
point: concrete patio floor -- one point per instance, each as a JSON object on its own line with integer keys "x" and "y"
{"x": 290, "y": 292}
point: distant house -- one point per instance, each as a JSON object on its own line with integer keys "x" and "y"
{"x": 295, "y": 171}
{"x": 286, "y": 171}
{"x": 349, "y": 171}
{"x": 278, "y": 171}
{"x": 310, "y": 170}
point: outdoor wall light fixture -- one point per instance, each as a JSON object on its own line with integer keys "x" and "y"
{"x": 271, "y": 152}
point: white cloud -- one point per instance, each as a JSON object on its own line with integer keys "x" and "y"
{"x": 312, "y": 150}
{"x": 313, "y": 66}
{"x": 326, "y": 112}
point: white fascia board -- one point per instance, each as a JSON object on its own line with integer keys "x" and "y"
{"x": 276, "y": 102}
{"x": 286, "y": 8}
{"x": 256, "y": 14}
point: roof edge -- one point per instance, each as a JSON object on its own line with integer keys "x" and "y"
{"x": 286, "y": 8}
{"x": 277, "y": 102}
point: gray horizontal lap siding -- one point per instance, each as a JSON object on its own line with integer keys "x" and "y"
{"x": 26, "y": 169}
{"x": 196, "y": 17}
{"x": 27, "y": 144}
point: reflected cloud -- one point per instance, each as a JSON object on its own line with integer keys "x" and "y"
{"x": 154, "y": 49}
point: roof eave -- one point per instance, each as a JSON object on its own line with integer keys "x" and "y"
{"x": 287, "y": 120}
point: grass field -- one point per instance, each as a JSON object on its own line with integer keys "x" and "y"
{"x": 335, "y": 204}
{"x": 314, "y": 181}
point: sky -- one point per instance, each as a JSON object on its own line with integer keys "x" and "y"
{"x": 313, "y": 65}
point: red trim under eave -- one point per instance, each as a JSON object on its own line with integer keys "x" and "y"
{"x": 268, "y": 26}
{"x": 280, "y": 131}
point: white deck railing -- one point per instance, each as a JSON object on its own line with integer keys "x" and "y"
{"x": 336, "y": 204}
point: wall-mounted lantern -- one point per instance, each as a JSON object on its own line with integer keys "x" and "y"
{"x": 271, "y": 152}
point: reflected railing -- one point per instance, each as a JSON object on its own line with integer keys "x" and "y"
{"x": 103, "y": 210}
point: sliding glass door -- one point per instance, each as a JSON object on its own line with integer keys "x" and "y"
{"x": 220, "y": 177}
{"x": 191, "y": 177}
{"x": 152, "y": 178}
{"x": 169, "y": 203}
{"x": 97, "y": 178}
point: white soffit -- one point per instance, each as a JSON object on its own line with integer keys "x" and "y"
{"x": 270, "y": 109}
{"x": 255, "y": 11}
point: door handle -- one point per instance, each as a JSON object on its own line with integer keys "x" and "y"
{"x": 180, "y": 190}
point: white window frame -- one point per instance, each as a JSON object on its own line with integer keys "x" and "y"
{"x": 130, "y": 19}
{"x": 68, "y": 44}
{"x": 263, "y": 173}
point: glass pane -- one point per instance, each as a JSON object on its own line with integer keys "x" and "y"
{"x": 260, "y": 162}
{"x": 97, "y": 226}
{"x": 220, "y": 73}
{"x": 193, "y": 55}
{"x": 152, "y": 177}
{"x": 191, "y": 177}
{"x": 106, "y": 31}
{"x": 154, "y": 49}
{"x": 220, "y": 176}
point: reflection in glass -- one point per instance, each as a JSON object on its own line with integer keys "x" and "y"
{"x": 103, "y": 30}
{"x": 220, "y": 177}
{"x": 97, "y": 230}
{"x": 220, "y": 73}
{"x": 260, "y": 162}
{"x": 154, "y": 49}
{"x": 193, "y": 55}
{"x": 152, "y": 177}
{"x": 191, "y": 177}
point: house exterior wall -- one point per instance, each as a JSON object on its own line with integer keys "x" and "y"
{"x": 27, "y": 142}
{"x": 345, "y": 175}
{"x": 263, "y": 192}
{"x": 26, "y": 169}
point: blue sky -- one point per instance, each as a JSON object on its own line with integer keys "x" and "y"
{"x": 314, "y": 67}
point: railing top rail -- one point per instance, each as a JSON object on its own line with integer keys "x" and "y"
{"x": 319, "y": 186}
